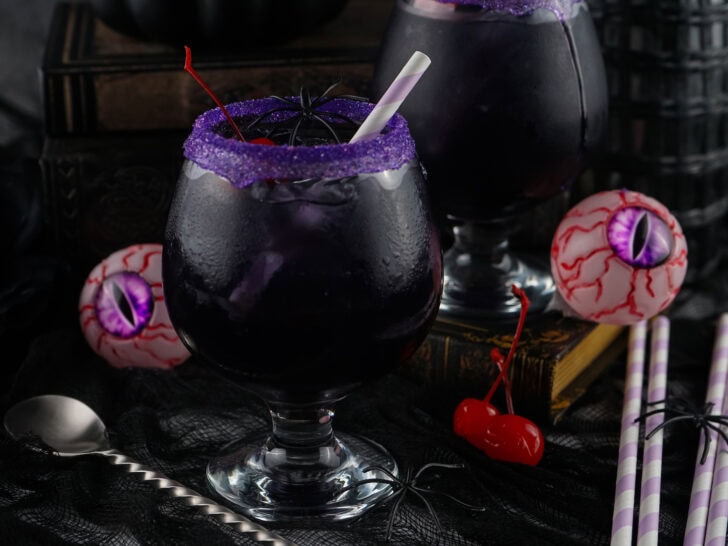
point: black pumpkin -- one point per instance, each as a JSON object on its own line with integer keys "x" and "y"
{"x": 217, "y": 23}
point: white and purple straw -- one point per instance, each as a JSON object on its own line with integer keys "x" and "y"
{"x": 703, "y": 475}
{"x": 393, "y": 97}
{"x": 715, "y": 534}
{"x": 648, "y": 526}
{"x": 624, "y": 496}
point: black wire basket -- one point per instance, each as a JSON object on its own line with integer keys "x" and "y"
{"x": 667, "y": 71}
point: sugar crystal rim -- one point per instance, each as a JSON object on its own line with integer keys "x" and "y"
{"x": 243, "y": 163}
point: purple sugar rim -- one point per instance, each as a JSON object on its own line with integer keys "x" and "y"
{"x": 519, "y": 8}
{"x": 243, "y": 163}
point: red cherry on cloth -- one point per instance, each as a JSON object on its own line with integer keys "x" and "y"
{"x": 511, "y": 438}
{"x": 471, "y": 416}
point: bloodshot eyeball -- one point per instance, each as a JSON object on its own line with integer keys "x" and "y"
{"x": 618, "y": 257}
{"x": 123, "y": 314}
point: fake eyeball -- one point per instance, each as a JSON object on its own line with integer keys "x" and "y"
{"x": 618, "y": 257}
{"x": 122, "y": 311}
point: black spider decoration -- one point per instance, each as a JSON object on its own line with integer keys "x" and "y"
{"x": 307, "y": 114}
{"x": 682, "y": 410}
{"x": 409, "y": 485}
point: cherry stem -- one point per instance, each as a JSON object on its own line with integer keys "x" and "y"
{"x": 519, "y": 328}
{"x": 194, "y": 74}
{"x": 497, "y": 357}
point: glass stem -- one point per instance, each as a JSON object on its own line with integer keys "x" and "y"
{"x": 301, "y": 428}
{"x": 300, "y": 451}
{"x": 482, "y": 244}
{"x": 480, "y": 269}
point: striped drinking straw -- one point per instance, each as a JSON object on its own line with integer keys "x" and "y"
{"x": 649, "y": 520}
{"x": 715, "y": 533}
{"x": 393, "y": 97}
{"x": 624, "y": 495}
{"x": 704, "y": 464}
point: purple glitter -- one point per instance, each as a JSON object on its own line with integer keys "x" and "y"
{"x": 243, "y": 163}
{"x": 519, "y": 8}
{"x": 124, "y": 304}
{"x": 640, "y": 237}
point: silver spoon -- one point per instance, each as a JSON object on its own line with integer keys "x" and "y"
{"x": 71, "y": 429}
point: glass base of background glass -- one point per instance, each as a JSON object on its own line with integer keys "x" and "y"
{"x": 271, "y": 482}
{"x": 480, "y": 269}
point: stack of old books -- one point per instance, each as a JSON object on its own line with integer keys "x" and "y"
{"x": 117, "y": 110}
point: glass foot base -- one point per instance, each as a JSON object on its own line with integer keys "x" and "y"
{"x": 276, "y": 484}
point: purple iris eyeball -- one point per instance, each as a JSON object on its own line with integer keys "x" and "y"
{"x": 618, "y": 257}
{"x": 123, "y": 314}
{"x": 124, "y": 304}
{"x": 640, "y": 237}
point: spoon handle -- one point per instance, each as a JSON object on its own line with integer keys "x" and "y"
{"x": 192, "y": 498}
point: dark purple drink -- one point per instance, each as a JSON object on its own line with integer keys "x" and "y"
{"x": 302, "y": 290}
{"x": 301, "y": 272}
{"x": 512, "y": 106}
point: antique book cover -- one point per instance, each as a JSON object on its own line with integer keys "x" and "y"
{"x": 106, "y": 192}
{"x": 98, "y": 80}
{"x": 555, "y": 360}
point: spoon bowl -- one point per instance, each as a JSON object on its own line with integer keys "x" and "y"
{"x": 65, "y": 424}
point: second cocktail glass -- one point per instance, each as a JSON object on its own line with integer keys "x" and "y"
{"x": 522, "y": 104}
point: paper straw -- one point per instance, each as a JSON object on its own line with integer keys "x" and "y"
{"x": 703, "y": 475}
{"x": 393, "y": 97}
{"x": 624, "y": 495}
{"x": 649, "y": 520}
{"x": 717, "y": 530}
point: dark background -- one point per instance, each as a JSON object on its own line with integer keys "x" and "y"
{"x": 22, "y": 40}
{"x": 567, "y": 499}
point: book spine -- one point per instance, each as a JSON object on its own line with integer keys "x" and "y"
{"x": 86, "y": 91}
{"x": 126, "y": 101}
{"x": 465, "y": 367}
{"x": 68, "y": 95}
{"x": 102, "y": 194}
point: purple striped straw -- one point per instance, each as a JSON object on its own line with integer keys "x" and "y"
{"x": 393, "y": 97}
{"x": 716, "y": 532}
{"x": 624, "y": 495}
{"x": 703, "y": 475}
{"x": 648, "y": 526}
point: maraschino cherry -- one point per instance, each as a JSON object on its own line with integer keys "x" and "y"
{"x": 504, "y": 437}
{"x": 472, "y": 414}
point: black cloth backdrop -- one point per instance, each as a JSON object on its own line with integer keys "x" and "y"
{"x": 174, "y": 421}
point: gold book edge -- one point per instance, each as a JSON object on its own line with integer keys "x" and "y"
{"x": 583, "y": 354}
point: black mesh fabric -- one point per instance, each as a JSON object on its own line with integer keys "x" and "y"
{"x": 175, "y": 421}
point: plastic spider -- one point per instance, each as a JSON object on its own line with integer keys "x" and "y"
{"x": 682, "y": 410}
{"x": 307, "y": 113}
{"x": 409, "y": 485}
